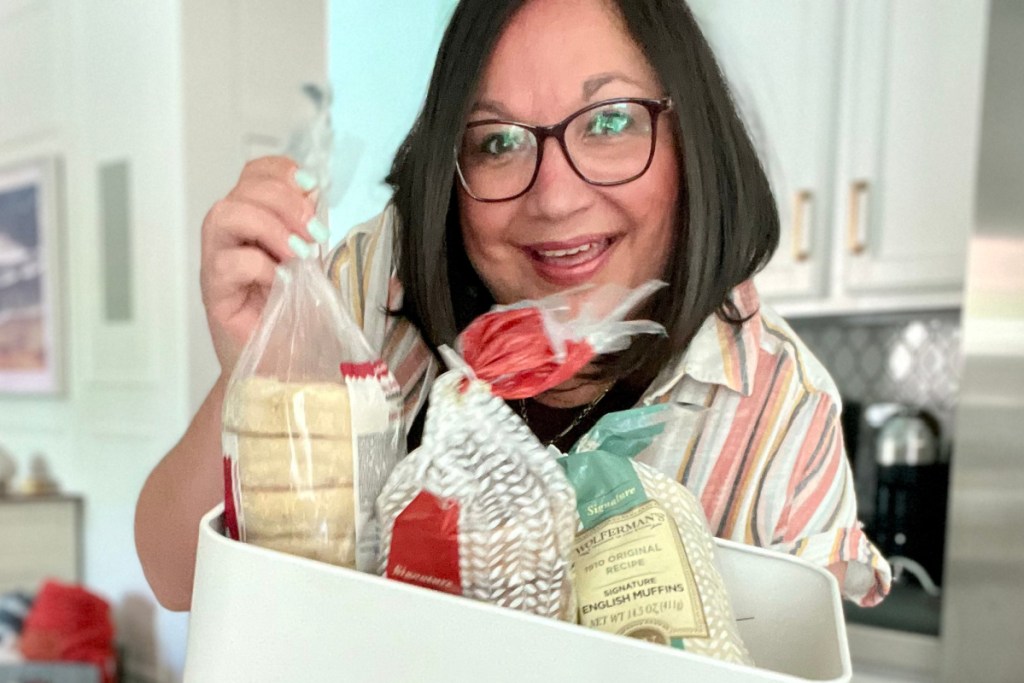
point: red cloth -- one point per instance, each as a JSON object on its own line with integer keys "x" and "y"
{"x": 70, "y": 624}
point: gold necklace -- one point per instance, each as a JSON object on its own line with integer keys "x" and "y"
{"x": 572, "y": 425}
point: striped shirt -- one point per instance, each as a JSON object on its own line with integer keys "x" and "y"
{"x": 755, "y": 435}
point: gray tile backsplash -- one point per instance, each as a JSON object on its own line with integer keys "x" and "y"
{"x": 909, "y": 358}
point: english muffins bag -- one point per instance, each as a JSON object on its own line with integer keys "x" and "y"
{"x": 644, "y": 557}
{"x": 312, "y": 418}
{"x": 481, "y": 509}
{"x": 312, "y": 427}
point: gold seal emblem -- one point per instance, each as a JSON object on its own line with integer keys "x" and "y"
{"x": 650, "y": 633}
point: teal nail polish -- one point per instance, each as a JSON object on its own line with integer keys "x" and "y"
{"x": 305, "y": 180}
{"x": 318, "y": 230}
{"x": 299, "y": 246}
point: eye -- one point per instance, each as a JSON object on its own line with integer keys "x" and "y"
{"x": 501, "y": 142}
{"x": 610, "y": 121}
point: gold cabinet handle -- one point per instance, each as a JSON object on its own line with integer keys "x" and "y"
{"x": 856, "y": 234}
{"x": 802, "y": 204}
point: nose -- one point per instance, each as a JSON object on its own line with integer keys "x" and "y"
{"x": 558, "y": 191}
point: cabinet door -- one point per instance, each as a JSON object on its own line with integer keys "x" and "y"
{"x": 909, "y": 132}
{"x": 781, "y": 59}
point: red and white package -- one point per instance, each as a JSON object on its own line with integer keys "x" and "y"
{"x": 312, "y": 418}
{"x": 312, "y": 427}
{"x": 482, "y": 509}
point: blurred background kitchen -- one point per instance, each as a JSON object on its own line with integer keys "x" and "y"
{"x": 893, "y": 131}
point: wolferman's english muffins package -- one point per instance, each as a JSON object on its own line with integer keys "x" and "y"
{"x": 644, "y": 558}
{"x": 312, "y": 427}
{"x": 482, "y": 509}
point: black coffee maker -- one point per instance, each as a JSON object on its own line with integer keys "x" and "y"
{"x": 911, "y": 492}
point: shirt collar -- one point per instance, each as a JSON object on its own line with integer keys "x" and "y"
{"x": 720, "y": 353}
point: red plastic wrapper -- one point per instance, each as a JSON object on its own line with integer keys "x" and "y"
{"x": 531, "y": 347}
{"x": 510, "y": 351}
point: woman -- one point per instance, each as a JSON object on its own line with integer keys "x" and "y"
{"x": 594, "y": 141}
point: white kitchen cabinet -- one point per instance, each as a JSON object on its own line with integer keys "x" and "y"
{"x": 781, "y": 59}
{"x": 910, "y": 119}
{"x": 867, "y": 116}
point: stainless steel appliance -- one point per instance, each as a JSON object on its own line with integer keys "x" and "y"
{"x": 911, "y": 493}
{"x": 908, "y": 437}
{"x": 983, "y": 595}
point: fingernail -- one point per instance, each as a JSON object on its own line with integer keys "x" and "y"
{"x": 299, "y": 247}
{"x": 318, "y": 230}
{"x": 305, "y": 180}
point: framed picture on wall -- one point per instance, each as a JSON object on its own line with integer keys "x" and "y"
{"x": 30, "y": 313}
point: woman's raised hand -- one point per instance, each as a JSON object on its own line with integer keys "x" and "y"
{"x": 266, "y": 219}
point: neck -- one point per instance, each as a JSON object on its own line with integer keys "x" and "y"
{"x": 573, "y": 394}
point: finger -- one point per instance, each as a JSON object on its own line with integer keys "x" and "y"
{"x": 280, "y": 168}
{"x": 289, "y": 205}
{"x": 242, "y": 267}
{"x": 237, "y": 223}
{"x": 270, "y": 167}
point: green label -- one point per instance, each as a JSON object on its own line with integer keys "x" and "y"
{"x": 606, "y": 485}
{"x": 600, "y": 466}
{"x": 625, "y": 433}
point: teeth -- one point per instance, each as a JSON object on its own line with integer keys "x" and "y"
{"x": 560, "y": 253}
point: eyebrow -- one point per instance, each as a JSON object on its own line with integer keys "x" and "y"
{"x": 590, "y": 88}
{"x": 492, "y": 107}
{"x": 595, "y": 83}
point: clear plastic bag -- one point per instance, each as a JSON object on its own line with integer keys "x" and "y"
{"x": 644, "y": 558}
{"x": 481, "y": 509}
{"x": 312, "y": 418}
{"x": 312, "y": 427}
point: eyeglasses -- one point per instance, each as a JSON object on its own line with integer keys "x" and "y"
{"x": 606, "y": 143}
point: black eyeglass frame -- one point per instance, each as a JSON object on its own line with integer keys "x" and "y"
{"x": 557, "y": 131}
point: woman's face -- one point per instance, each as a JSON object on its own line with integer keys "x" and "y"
{"x": 554, "y": 58}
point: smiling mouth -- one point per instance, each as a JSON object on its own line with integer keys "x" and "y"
{"x": 571, "y": 263}
{"x": 571, "y": 255}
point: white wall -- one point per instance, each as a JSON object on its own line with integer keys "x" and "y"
{"x": 185, "y": 91}
{"x": 90, "y": 82}
{"x": 381, "y": 58}
{"x": 244, "y": 62}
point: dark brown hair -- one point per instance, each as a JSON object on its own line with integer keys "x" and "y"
{"x": 727, "y": 226}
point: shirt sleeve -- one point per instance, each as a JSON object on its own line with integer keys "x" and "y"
{"x": 362, "y": 268}
{"x": 361, "y": 273}
{"x": 819, "y": 519}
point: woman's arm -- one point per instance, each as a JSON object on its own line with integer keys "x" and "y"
{"x": 818, "y": 519}
{"x": 184, "y": 486}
